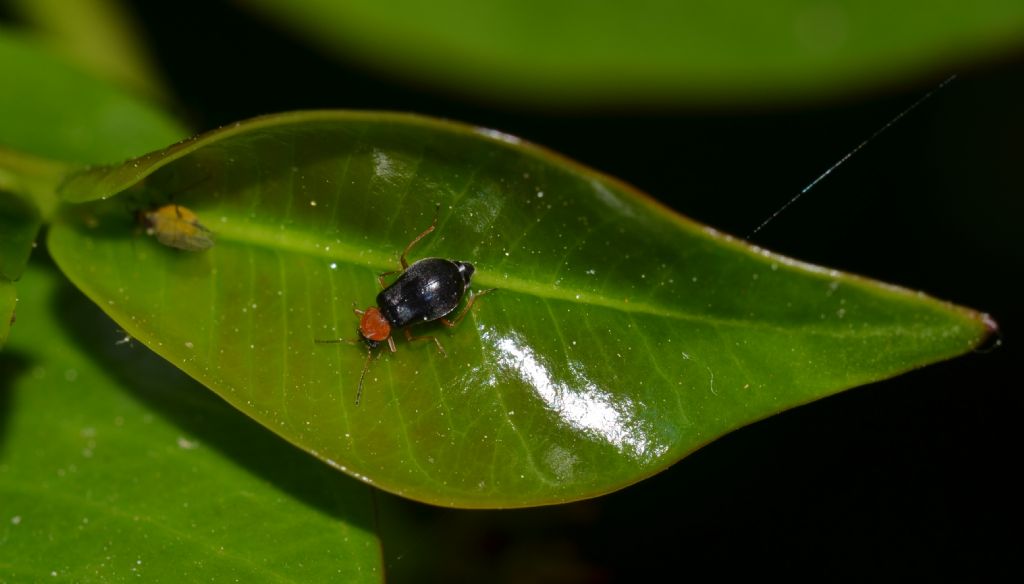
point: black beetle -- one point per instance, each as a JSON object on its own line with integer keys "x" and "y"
{"x": 430, "y": 289}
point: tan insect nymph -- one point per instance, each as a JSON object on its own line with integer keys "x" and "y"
{"x": 176, "y": 226}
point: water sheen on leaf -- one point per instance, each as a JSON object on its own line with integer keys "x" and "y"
{"x": 621, "y": 337}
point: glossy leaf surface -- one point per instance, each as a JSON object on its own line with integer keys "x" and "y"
{"x": 621, "y": 336}
{"x": 582, "y": 53}
{"x": 52, "y": 110}
{"x": 116, "y": 466}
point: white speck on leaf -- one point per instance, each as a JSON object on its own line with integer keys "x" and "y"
{"x": 187, "y": 444}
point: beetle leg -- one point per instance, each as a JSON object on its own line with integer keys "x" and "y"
{"x": 380, "y": 277}
{"x": 409, "y": 336}
{"x": 391, "y": 342}
{"x": 465, "y": 311}
{"x": 433, "y": 225}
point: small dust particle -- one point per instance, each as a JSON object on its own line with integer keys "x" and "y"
{"x": 187, "y": 444}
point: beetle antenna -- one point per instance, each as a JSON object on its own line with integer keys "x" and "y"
{"x": 362, "y": 376}
{"x": 849, "y": 154}
{"x": 329, "y": 341}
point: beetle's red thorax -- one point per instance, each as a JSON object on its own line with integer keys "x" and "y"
{"x": 373, "y": 326}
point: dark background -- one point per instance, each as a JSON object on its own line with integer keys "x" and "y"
{"x": 916, "y": 475}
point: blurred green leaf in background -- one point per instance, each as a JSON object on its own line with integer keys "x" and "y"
{"x": 53, "y": 110}
{"x": 581, "y": 54}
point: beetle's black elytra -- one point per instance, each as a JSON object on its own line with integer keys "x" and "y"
{"x": 428, "y": 290}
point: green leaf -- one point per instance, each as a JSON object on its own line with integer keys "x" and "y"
{"x": 19, "y": 223}
{"x": 584, "y": 53}
{"x": 98, "y": 35}
{"x": 8, "y": 300}
{"x": 52, "y": 110}
{"x": 20, "y": 220}
{"x": 114, "y": 465}
{"x": 621, "y": 337}
{"x": 34, "y": 181}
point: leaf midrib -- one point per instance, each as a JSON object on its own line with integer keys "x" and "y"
{"x": 273, "y": 238}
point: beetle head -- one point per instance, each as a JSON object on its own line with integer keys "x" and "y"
{"x": 466, "y": 269}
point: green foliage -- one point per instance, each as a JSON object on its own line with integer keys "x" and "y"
{"x": 112, "y": 463}
{"x": 98, "y": 35}
{"x": 115, "y": 465}
{"x": 8, "y": 300}
{"x": 52, "y": 110}
{"x": 580, "y": 53}
{"x": 19, "y": 222}
{"x": 622, "y": 336}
